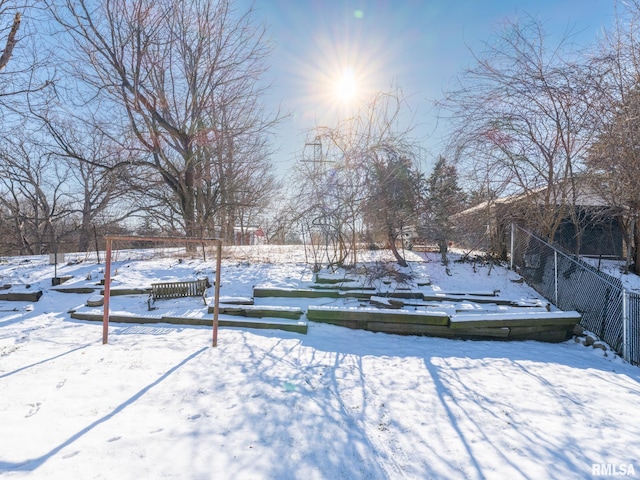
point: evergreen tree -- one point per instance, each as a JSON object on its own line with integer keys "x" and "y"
{"x": 393, "y": 195}
{"x": 444, "y": 199}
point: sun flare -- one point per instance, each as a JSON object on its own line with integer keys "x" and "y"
{"x": 338, "y": 77}
{"x": 346, "y": 87}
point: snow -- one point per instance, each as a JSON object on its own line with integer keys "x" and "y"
{"x": 158, "y": 401}
{"x": 517, "y": 315}
{"x": 389, "y": 311}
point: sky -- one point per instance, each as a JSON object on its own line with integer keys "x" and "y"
{"x": 416, "y": 45}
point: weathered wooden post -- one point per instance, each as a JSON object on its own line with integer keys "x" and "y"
{"x": 216, "y": 301}
{"x": 107, "y": 292}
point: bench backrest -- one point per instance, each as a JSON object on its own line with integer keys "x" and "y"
{"x": 186, "y": 288}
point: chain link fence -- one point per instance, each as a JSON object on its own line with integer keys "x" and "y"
{"x": 607, "y": 308}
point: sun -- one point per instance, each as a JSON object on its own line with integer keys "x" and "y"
{"x": 345, "y": 88}
{"x": 337, "y": 78}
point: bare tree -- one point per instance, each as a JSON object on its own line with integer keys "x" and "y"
{"x": 12, "y": 35}
{"x": 364, "y": 178}
{"x": 31, "y": 205}
{"x": 97, "y": 183}
{"x": 21, "y": 69}
{"x": 34, "y": 196}
{"x": 186, "y": 75}
{"x": 614, "y": 159}
{"x": 326, "y": 202}
{"x": 524, "y": 118}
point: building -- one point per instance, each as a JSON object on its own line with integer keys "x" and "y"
{"x": 588, "y": 227}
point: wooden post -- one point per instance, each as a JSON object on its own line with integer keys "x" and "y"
{"x": 107, "y": 291}
{"x": 216, "y": 300}
{"x": 95, "y": 236}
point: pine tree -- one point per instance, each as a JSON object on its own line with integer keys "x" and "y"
{"x": 392, "y": 202}
{"x": 444, "y": 199}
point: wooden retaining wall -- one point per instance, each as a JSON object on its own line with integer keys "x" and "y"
{"x": 21, "y": 296}
{"x": 402, "y": 312}
{"x": 259, "y": 311}
{"x": 542, "y": 326}
{"x": 310, "y": 293}
{"x": 275, "y": 324}
{"x": 360, "y": 317}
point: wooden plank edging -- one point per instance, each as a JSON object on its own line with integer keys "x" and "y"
{"x": 259, "y": 311}
{"x": 383, "y": 315}
{"x": 298, "y": 327}
{"x": 21, "y": 296}
{"x": 309, "y": 293}
{"x": 515, "y": 319}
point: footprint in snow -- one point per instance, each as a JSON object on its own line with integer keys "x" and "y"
{"x": 61, "y": 383}
{"x": 35, "y": 407}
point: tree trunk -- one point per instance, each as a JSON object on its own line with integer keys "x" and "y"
{"x": 186, "y": 196}
{"x": 84, "y": 237}
{"x": 394, "y": 249}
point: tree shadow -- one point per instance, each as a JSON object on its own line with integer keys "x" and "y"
{"x": 33, "y": 463}
{"x": 46, "y": 360}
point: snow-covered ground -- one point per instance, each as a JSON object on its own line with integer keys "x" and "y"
{"x": 159, "y": 402}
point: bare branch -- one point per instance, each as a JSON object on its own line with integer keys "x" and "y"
{"x": 11, "y": 42}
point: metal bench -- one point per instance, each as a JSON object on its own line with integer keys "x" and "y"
{"x": 179, "y": 289}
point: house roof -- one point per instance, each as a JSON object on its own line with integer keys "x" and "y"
{"x": 586, "y": 196}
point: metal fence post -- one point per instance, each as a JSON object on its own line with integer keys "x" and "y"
{"x": 595, "y": 294}
{"x": 625, "y": 324}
